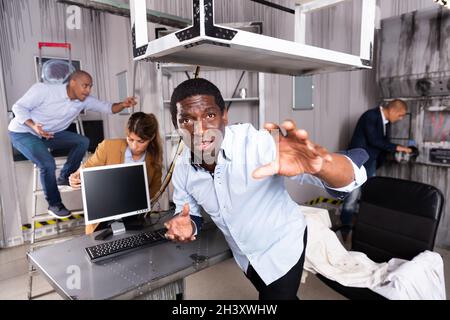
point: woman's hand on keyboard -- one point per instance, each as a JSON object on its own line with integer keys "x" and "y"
{"x": 180, "y": 227}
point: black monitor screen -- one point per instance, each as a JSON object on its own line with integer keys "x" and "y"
{"x": 93, "y": 129}
{"x": 114, "y": 192}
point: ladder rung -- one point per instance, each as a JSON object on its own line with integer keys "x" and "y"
{"x": 62, "y": 189}
{"x": 59, "y": 162}
{"x": 43, "y": 217}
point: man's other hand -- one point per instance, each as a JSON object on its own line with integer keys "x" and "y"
{"x": 38, "y": 128}
{"x": 180, "y": 228}
{"x": 296, "y": 154}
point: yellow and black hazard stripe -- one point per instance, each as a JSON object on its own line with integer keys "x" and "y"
{"x": 40, "y": 224}
{"x": 319, "y": 200}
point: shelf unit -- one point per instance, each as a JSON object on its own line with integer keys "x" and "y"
{"x": 256, "y": 96}
{"x": 251, "y": 99}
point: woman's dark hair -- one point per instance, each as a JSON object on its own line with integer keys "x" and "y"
{"x": 193, "y": 87}
{"x": 145, "y": 126}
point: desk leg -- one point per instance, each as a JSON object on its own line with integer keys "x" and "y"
{"x": 171, "y": 291}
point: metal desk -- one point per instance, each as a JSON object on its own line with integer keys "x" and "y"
{"x": 150, "y": 272}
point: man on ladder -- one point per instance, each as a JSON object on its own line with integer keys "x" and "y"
{"x": 42, "y": 116}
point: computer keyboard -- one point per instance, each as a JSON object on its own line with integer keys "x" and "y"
{"x": 114, "y": 248}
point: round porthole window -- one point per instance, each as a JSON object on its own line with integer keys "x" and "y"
{"x": 56, "y": 71}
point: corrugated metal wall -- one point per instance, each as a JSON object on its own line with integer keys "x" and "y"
{"x": 421, "y": 50}
{"x": 10, "y": 231}
{"x": 23, "y": 24}
{"x": 339, "y": 98}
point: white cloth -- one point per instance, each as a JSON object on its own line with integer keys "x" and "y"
{"x": 419, "y": 279}
{"x": 422, "y": 278}
{"x": 259, "y": 220}
{"x": 326, "y": 255}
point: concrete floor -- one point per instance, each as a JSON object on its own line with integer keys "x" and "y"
{"x": 224, "y": 281}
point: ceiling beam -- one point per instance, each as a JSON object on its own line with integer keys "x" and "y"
{"x": 123, "y": 9}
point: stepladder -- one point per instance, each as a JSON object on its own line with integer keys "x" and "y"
{"x": 45, "y": 229}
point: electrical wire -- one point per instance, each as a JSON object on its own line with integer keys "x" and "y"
{"x": 135, "y": 66}
{"x": 197, "y": 71}
{"x": 180, "y": 147}
{"x": 168, "y": 176}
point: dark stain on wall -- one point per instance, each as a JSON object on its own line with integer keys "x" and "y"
{"x": 445, "y": 41}
{"x": 434, "y": 40}
{"x": 409, "y": 27}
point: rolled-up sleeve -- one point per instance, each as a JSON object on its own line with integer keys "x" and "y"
{"x": 360, "y": 176}
{"x": 96, "y": 105}
{"x": 34, "y": 97}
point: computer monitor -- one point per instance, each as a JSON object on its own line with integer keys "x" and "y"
{"x": 114, "y": 192}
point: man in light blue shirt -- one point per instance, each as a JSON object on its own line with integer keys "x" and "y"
{"x": 42, "y": 116}
{"x": 236, "y": 174}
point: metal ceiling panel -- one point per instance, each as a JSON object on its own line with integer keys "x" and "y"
{"x": 208, "y": 44}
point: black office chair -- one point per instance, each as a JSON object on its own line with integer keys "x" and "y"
{"x": 396, "y": 219}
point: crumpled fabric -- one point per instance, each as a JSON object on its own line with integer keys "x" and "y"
{"x": 326, "y": 255}
{"x": 422, "y": 278}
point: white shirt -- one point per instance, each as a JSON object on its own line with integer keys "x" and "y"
{"x": 385, "y": 121}
{"x": 50, "y": 105}
{"x": 259, "y": 220}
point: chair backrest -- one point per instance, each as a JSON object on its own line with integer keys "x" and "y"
{"x": 396, "y": 219}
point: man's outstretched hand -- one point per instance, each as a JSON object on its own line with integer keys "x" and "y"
{"x": 296, "y": 153}
{"x": 129, "y": 102}
{"x": 180, "y": 228}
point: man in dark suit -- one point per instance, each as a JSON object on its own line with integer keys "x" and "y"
{"x": 372, "y": 134}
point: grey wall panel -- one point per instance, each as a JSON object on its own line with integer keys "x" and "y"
{"x": 415, "y": 56}
{"x": 418, "y": 36}
{"x": 10, "y": 222}
{"x": 341, "y": 98}
{"x": 29, "y": 22}
{"x": 102, "y": 46}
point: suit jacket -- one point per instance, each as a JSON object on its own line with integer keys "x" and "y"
{"x": 369, "y": 135}
{"x": 111, "y": 152}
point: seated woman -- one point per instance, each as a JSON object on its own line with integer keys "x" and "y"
{"x": 142, "y": 143}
